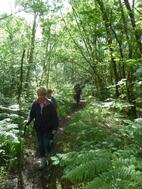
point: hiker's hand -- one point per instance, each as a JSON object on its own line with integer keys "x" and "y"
{"x": 25, "y": 122}
{"x": 54, "y": 132}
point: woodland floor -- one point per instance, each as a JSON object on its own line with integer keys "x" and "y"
{"x": 49, "y": 177}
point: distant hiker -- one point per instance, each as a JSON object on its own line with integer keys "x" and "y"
{"x": 49, "y": 96}
{"x": 78, "y": 91}
{"x": 45, "y": 119}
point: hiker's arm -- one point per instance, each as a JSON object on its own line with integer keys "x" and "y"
{"x": 31, "y": 115}
{"x": 54, "y": 102}
{"x": 55, "y": 120}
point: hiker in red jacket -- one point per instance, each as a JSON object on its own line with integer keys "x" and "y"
{"x": 45, "y": 119}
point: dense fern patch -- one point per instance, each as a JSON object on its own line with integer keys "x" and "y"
{"x": 10, "y": 141}
{"x": 102, "y": 149}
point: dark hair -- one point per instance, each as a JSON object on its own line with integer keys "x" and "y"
{"x": 49, "y": 91}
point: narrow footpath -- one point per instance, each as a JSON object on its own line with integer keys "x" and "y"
{"x": 49, "y": 177}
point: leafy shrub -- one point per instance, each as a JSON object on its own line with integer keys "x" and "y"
{"x": 10, "y": 140}
{"x": 64, "y": 100}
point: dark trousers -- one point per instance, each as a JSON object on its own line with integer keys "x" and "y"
{"x": 44, "y": 142}
{"x": 77, "y": 97}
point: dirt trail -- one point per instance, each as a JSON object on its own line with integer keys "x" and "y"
{"x": 35, "y": 178}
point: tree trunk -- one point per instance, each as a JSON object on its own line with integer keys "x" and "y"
{"x": 133, "y": 23}
{"x": 109, "y": 40}
{"x": 130, "y": 93}
{"x": 20, "y": 84}
{"x": 126, "y": 30}
{"x": 130, "y": 78}
{"x": 31, "y": 53}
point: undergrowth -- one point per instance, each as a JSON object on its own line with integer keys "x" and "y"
{"x": 102, "y": 149}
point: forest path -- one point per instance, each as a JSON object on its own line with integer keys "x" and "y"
{"x": 35, "y": 178}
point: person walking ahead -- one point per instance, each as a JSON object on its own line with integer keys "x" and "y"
{"x": 45, "y": 119}
{"x": 49, "y": 96}
{"x": 78, "y": 91}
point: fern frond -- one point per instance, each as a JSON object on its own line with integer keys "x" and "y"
{"x": 98, "y": 183}
{"x": 88, "y": 170}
